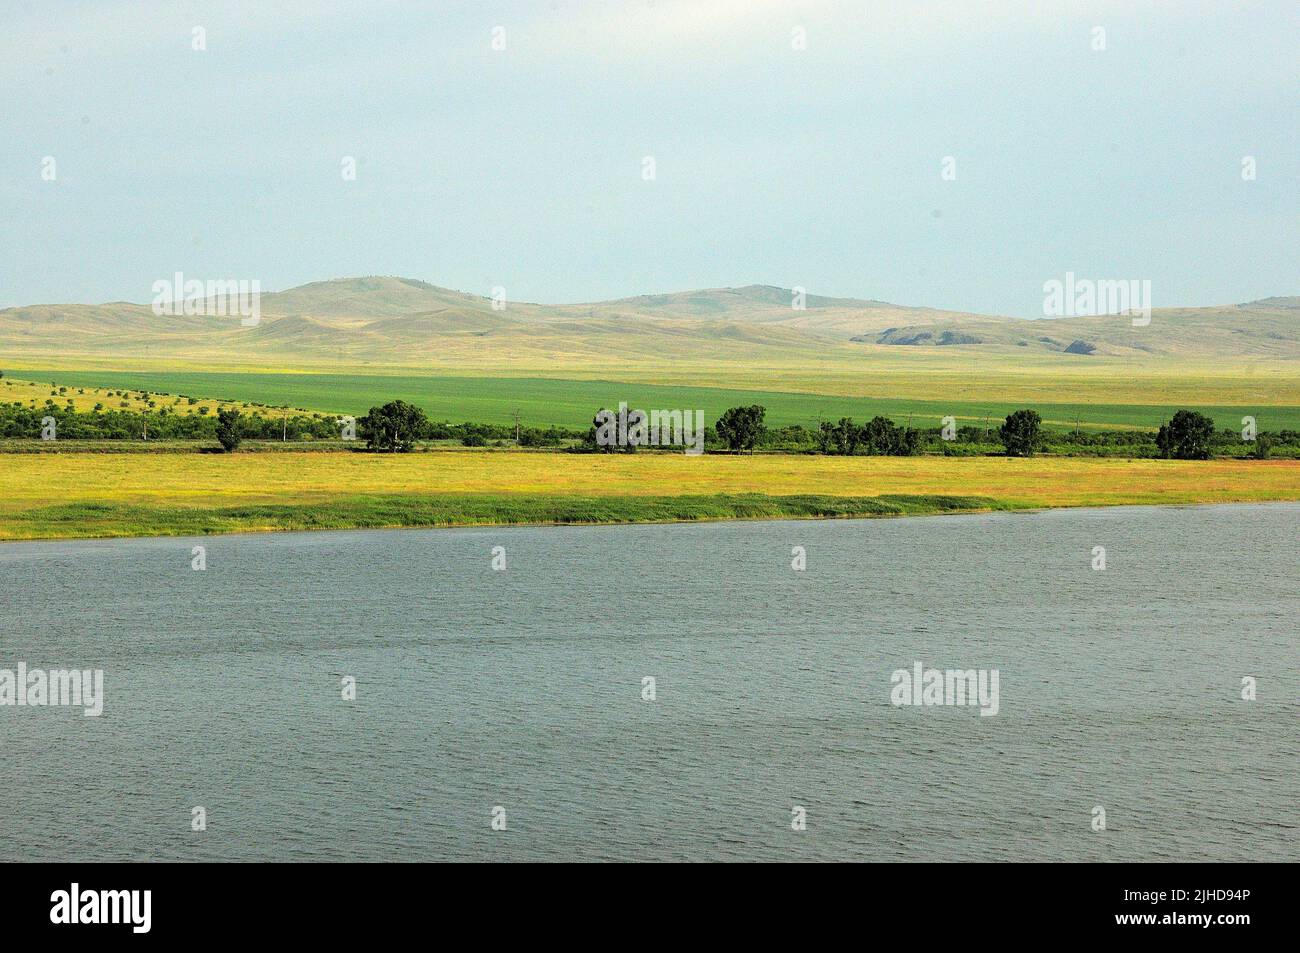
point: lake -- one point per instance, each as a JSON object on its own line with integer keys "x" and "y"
{"x": 523, "y": 689}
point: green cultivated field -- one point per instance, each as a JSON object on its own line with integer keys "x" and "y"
{"x": 544, "y": 402}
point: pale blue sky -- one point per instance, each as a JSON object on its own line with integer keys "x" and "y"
{"x": 522, "y": 168}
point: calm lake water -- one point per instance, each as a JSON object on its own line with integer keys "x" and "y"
{"x": 523, "y": 689}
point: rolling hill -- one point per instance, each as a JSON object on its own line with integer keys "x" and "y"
{"x": 1267, "y": 328}
{"x": 405, "y": 322}
{"x": 747, "y": 339}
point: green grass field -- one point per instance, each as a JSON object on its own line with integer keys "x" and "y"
{"x": 571, "y": 403}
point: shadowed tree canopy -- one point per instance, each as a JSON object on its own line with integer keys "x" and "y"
{"x": 841, "y": 438}
{"x": 393, "y": 427}
{"x": 1021, "y": 433}
{"x": 739, "y": 427}
{"x": 229, "y": 431}
{"x": 883, "y": 436}
{"x": 1186, "y": 437}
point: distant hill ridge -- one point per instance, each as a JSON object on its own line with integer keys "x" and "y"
{"x": 405, "y": 320}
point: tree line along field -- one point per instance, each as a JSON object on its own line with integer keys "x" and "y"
{"x": 545, "y": 402}
{"x": 192, "y": 494}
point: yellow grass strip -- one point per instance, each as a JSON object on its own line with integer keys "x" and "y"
{"x": 209, "y": 480}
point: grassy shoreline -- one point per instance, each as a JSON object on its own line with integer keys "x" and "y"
{"x": 110, "y": 520}
{"x": 80, "y": 495}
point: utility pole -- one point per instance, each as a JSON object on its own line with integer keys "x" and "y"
{"x": 284, "y": 426}
{"x": 516, "y": 426}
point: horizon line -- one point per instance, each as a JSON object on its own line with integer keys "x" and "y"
{"x": 632, "y": 297}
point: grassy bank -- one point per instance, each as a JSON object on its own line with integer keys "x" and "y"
{"x": 94, "y": 494}
{"x": 78, "y": 520}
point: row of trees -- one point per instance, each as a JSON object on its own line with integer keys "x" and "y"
{"x": 1188, "y": 436}
{"x": 21, "y": 421}
{"x": 880, "y": 436}
{"x": 397, "y": 426}
{"x": 394, "y": 427}
{"x": 740, "y": 429}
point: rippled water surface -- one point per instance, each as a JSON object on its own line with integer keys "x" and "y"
{"x": 523, "y": 689}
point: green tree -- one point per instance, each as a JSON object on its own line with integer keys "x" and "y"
{"x": 840, "y": 438}
{"x": 1186, "y": 437}
{"x": 847, "y": 436}
{"x": 824, "y": 437}
{"x": 1021, "y": 434}
{"x": 229, "y": 429}
{"x": 740, "y": 427}
{"x": 604, "y": 434}
{"x": 393, "y": 427}
{"x": 883, "y": 436}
